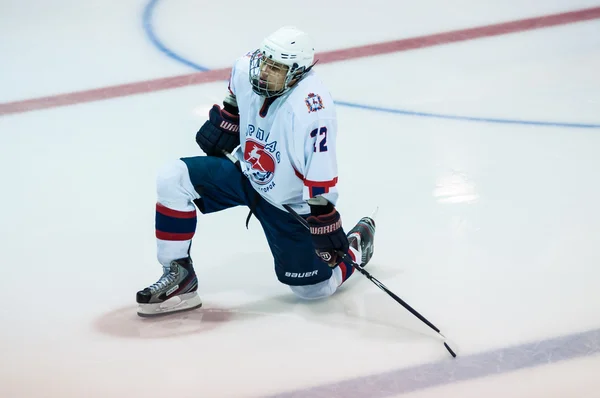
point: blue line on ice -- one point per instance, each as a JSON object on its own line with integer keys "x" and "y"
{"x": 148, "y": 17}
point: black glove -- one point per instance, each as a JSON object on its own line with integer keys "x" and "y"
{"x": 221, "y": 132}
{"x": 329, "y": 239}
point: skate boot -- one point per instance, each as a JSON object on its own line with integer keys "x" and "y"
{"x": 362, "y": 237}
{"x": 175, "y": 291}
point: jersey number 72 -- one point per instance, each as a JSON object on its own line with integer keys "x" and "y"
{"x": 321, "y": 139}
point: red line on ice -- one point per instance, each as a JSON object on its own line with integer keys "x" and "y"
{"x": 166, "y": 83}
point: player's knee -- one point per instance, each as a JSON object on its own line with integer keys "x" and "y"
{"x": 317, "y": 291}
{"x": 169, "y": 176}
{"x": 173, "y": 182}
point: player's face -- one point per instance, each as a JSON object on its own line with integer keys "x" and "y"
{"x": 272, "y": 75}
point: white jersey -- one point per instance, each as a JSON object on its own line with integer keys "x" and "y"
{"x": 287, "y": 146}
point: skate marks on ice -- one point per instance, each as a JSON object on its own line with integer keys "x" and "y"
{"x": 368, "y": 315}
{"x": 344, "y": 311}
{"x": 255, "y": 294}
{"x": 124, "y": 322}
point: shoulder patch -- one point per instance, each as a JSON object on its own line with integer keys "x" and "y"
{"x": 314, "y": 102}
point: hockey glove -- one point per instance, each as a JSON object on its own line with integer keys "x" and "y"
{"x": 219, "y": 133}
{"x": 329, "y": 239}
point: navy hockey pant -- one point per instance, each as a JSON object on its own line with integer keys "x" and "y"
{"x": 221, "y": 186}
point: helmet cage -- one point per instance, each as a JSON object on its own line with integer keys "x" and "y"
{"x": 264, "y": 88}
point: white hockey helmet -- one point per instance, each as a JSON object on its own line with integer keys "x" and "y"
{"x": 289, "y": 48}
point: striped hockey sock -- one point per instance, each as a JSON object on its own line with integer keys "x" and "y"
{"x": 174, "y": 232}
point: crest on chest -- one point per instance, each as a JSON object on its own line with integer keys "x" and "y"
{"x": 260, "y": 155}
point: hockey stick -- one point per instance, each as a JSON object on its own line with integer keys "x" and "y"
{"x": 346, "y": 258}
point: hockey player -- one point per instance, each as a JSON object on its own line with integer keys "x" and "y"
{"x": 279, "y": 122}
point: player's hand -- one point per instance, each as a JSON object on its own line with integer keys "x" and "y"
{"x": 329, "y": 239}
{"x": 221, "y": 132}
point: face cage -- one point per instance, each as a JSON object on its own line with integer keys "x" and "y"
{"x": 263, "y": 89}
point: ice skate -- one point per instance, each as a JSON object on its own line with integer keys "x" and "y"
{"x": 362, "y": 237}
{"x": 175, "y": 291}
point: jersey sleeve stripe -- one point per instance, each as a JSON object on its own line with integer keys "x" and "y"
{"x": 316, "y": 187}
{"x": 309, "y": 183}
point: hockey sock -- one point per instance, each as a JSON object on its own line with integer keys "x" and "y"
{"x": 174, "y": 232}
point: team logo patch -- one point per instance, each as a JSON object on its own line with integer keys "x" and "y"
{"x": 262, "y": 163}
{"x": 314, "y": 102}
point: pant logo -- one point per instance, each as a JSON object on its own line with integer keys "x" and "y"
{"x": 301, "y": 274}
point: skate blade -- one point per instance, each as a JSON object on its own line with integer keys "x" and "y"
{"x": 374, "y": 214}
{"x": 184, "y": 302}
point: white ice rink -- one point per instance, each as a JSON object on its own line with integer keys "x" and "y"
{"x": 483, "y": 156}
